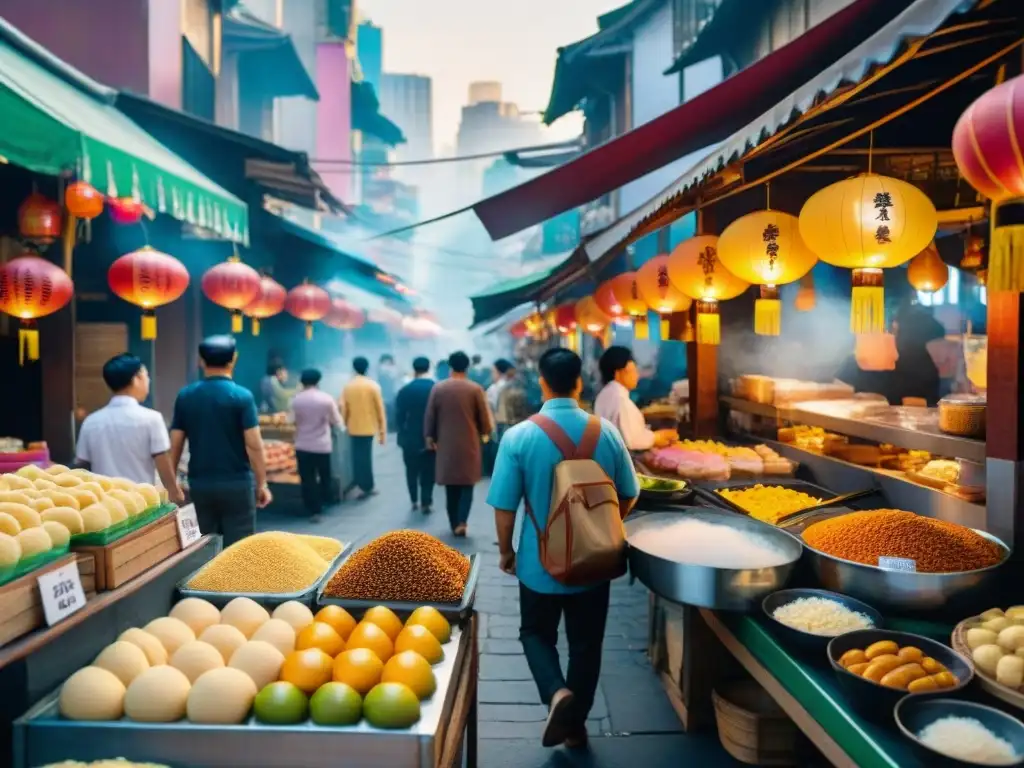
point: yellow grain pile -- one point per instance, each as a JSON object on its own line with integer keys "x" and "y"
{"x": 402, "y": 565}
{"x": 324, "y": 546}
{"x": 271, "y": 562}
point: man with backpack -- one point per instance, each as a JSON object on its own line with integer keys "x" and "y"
{"x": 575, "y": 479}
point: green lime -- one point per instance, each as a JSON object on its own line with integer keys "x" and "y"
{"x": 391, "y": 705}
{"x": 336, "y": 704}
{"x": 281, "y": 703}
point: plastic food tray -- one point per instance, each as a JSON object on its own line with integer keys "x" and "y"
{"x": 42, "y": 736}
{"x": 31, "y": 563}
{"x": 266, "y": 599}
{"x": 122, "y": 529}
{"x": 451, "y": 611}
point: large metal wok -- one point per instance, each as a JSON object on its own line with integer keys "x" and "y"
{"x": 719, "y": 588}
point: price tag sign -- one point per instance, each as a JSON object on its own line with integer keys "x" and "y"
{"x": 898, "y": 564}
{"x": 188, "y": 525}
{"x": 62, "y": 593}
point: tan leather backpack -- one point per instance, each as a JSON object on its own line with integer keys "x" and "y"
{"x": 583, "y": 541}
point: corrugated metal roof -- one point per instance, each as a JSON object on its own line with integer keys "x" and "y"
{"x": 919, "y": 20}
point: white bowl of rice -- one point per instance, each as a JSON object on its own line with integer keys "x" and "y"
{"x": 951, "y": 732}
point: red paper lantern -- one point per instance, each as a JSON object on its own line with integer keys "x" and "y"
{"x": 232, "y": 285}
{"x": 518, "y": 330}
{"x": 309, "y": 303}
{"x": 565, "y": 318}
{"x": 126, "y": 210}
{"x": 39, "y": 219}
{"x": 987, "y": 145}
{"x": 268, "y": 302}
{"x": 605, "y": 299}
{"x": 30, "y": 288}
{"x": 344, "y": 316}
{"x": 83, "y": 200}
{"x": 148, "y": 278}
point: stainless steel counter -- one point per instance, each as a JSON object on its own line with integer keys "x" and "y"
{"x": 837, "y": 416}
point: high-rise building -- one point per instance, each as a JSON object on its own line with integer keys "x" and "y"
{"x": 408, "y": 101}
{"x": 484, "y": 90}
{"x": 370, "y": 51}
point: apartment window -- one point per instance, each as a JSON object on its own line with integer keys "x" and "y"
{"x": 689, "y": 17}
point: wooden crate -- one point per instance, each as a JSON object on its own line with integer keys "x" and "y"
{"x": 21, "y": 606}
{"x": 123, "y": 560}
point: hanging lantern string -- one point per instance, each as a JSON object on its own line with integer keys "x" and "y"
{"x": 768, "y": 195}
{"x": 871, "y": 149}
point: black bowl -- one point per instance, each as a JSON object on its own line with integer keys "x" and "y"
{"x": 808, "y": 641}
{"x": 913, "y": 713}
{"x": 874, "y": 700}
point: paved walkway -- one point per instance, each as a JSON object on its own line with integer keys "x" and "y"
{"x": 632, "y": 721}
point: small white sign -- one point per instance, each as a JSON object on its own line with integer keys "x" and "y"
{"x": 898, "y": 564}
{"x": 62, "y": 593}
{"x": 188, "y": 525}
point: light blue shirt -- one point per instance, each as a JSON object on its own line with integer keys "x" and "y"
{"x": 526, "y": 464}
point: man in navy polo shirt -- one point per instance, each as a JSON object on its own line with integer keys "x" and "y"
{"x": 227, "y": 475}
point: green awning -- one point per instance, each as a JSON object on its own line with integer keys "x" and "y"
{"x": 367, "y": 117}
{"x": 499, "y": 298}
{"x": 55, "y": 121}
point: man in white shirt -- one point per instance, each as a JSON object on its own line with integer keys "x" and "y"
{"x": 125, "y": 439}
{"x": 620, "y": 376}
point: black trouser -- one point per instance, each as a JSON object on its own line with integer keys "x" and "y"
{"x": 460, "y": 501}
{"x": 419, "y": 475}
{"x": 228, "y": 510}
{"x": 585, "y": 617}
{"x": 362, "y": 463}
{"x": 315, "y": 475}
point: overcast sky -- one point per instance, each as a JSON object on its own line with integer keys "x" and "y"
{"x": 456, "y": 42}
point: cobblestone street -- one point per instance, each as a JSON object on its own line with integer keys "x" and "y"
{"x": 632, "y": 721}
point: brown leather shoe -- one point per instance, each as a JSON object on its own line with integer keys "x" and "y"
{"x": 555, "y": 729}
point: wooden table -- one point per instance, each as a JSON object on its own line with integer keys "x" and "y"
{"x": 39, "y": 662}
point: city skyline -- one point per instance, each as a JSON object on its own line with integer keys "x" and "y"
{"x": 460, "y": 42}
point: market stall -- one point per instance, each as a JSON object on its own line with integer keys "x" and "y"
{"x": 284, "y": 649}
{"x": 833, "y": 578}
{"x": 282, "y": 468}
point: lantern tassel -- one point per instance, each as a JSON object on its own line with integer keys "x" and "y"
{"x": 237, "y": 324}
{"x": 255, "y": 326}
{"x": 665, "y": 328}
{"x": 1006, "y": 258}
{"x": 768, "y": 312}
{"x": 867, "y": 308}
{"x": 641, "y": 329}
{"x": 28, "y": 342}
{"x": 309, "y": 331}
{"x": 709, "y": 324}
{"x": 607, "y": 337}
{"x": 148, "y": 325}
{"x": 767, "y": 317}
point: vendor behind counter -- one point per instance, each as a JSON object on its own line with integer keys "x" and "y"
{"x": 914, "y": 373}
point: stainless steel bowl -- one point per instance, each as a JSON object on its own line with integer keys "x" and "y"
{"x": 701, "y": 585}
{"x": 902, "y": 589}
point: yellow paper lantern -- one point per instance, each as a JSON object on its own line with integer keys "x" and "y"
{"x": 590, "y": 317}
{"x": 927, "y": 271}
{"x": 657, "y": 290}
{"x": 868, "y": 223}
{"x": 627, "y": 293}
{"x": 694, "y": 268}
{"x": 765, "y": 248}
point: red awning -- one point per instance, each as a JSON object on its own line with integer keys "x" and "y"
{"x": 704, "y": 120}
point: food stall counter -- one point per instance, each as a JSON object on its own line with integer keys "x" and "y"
{"x": 808, "y": 690}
